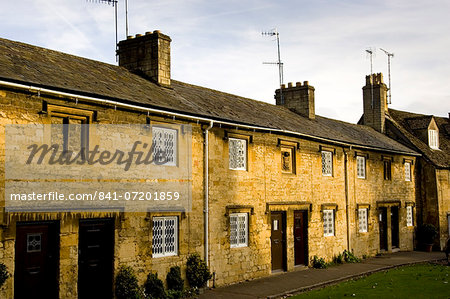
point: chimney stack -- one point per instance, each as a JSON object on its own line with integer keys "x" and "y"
{"x": 147, "y": 55}
{"x": 298, "y": 98}
{"x": 375, "y": 102}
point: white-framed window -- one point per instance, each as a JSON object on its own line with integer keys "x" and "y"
{"x": 328, "y": 223}
{"x": 408, "y": 171}
{"x": 362, "y": 220}
{"x": 238, "y": 230}
{"x": 409, "y": 216}
{"x": 361, "y": 167}
{"x": 327, "y": 163}
{"x": 433, "y": 139}
{"x": 165, "y": 236}
{"x": 237, "y": 150}
{"x": 164, "y": 142}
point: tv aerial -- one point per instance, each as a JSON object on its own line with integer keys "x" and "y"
{"x": 274, "y": 32}
{"x": 389, "y": 56}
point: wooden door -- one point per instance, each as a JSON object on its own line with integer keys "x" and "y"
{"x": 278, "y": 240}
{"x": 382, "y": 220}
{"x": 36, "y": 260}
{"x": 394, "y": 227}
{"x": 301, "y": 237}
{"x": 95, "y": 258}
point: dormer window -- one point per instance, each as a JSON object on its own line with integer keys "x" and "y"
{"x": 433, "y": 139}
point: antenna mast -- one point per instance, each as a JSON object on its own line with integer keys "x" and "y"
{"x": 274, "y": 32}
{"x": 389, "y": 55}
{"x": 114, "y": 4}
{"x": 370, "y": 52}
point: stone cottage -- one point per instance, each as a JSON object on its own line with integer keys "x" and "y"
{"x": 428, "y": 135}
{"x": 270, "y": 186}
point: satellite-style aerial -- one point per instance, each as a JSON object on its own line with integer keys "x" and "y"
{"x": 274, "y": 32}
{"x": 389, "y": 55}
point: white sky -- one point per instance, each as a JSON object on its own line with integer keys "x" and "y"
{"x": 218, "y": 44}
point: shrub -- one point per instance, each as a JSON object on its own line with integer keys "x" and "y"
{"x": 339, "y": 259}
{"x": 4, "y": 274}
{"x": 154, "y": 287}
{"x": 197, "y": 272}
{"x": 127, "y": 284}
{"x": 349, "y": 257}
{"x": 319, "y": 263}
{"x": 174, "y": 294}
{"x": 174, "y": 280}
{"x": 426, "y": 233}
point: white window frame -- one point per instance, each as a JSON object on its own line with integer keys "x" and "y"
{"x": 231, "y": 149}
{"x": 238, "y": 235}
{"x": 328, "y": 223}
{"x": 408, "y": 171}
{"x": 156, "y": 130}
{"x": 327, "y": 163}
{"x": 409, "y": 216}
{"x": 361, "y": 167}
{"x": 433, "y": 139}
{"x": 363, "y": 223}
{"x": 164, "y": 228}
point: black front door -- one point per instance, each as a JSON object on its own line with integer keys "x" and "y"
{"x": 278, "y": 240}
{"x": 36, "y": 261}
{"x": 301, "y": 237}
{"x": 95, "y": 259}
{"x": 382, "y": 220}
{"x": 394, "y": 227}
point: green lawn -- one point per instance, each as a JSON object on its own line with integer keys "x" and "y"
{"x": 416, "y": 281}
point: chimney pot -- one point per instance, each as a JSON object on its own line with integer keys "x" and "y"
{"x": 148, "y": 32}
{"x": 305, "y": 83}
{"x": 298, "y": 84}
{"x": 289, "y": 84}
{"x": 138, "y": 35}
{"x": 130, "y": 37}
{"x": 283, "y": 86}
{"x": 156, "y": 31}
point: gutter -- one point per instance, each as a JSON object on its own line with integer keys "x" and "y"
{"x": 40, "y": 90}
{"x": 206, "y": 192}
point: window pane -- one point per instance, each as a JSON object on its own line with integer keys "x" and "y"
{"x": 409, "y": 216}
{"x": 362, "y": 217}
{"x": 328, "y": 222}
{"x": 237, "y": 149}
{"x": 164, "y": 146}
{"x": 407, "y": 171}
{"x": 327, "y": 163}
{"x": 165, "y": 236}
{"x": 238, "y": 229}
{"x": 361, "y": 167}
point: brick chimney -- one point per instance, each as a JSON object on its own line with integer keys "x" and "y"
{"x": 298, "y": 98}
{"x": 147, "y": 55}
{"x": 375, "y": 102}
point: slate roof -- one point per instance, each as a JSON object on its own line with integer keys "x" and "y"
{"x": 408, "y": 123}
{"x": 40, "y": 67}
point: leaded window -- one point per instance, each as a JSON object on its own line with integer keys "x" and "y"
{"x": 239, "y": 230}
{"x": 165, "y": 236}
{"x": 409, "y": 216}
{"x": 327, "y": 163}
{"x": 237, "y": 149}
{"x": 387, "y": 169}
{"x": 34, "y": 242}
{"x": 408, "y": 171}
{"x": 362, "y": 220}
{"x": 361, "y": 167}
{"x": 164, "y": 146}
{"x": 328, "y": 223}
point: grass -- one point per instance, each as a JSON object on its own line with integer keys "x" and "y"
{"x": 415, "y": 281}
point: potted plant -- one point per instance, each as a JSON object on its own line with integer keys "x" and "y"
{"x": 425, "y": 235}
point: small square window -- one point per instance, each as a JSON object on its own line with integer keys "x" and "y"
{"x": 361, "y": 167}
{"x": 164, "y": 142}
{"x": 237, "y": 150}
{"x": 408, "y": 171}
{"x": 327, "y": 163}
{"x": 238, "y": 230}
{"x": 328, "y": 223}
{"x": 362, "y": 220}
{"x": 387, "y": 170}
{"x": 165, "y": 236}
{"x": 287, "y": 160}
{"x": 409, "y": 216}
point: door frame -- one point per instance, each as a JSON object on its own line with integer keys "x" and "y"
{"x": 305, "y": 236}
{"x": 54, "y": 233}
{"x": 108, "y": 221}
{"x": 283, "y": 237}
